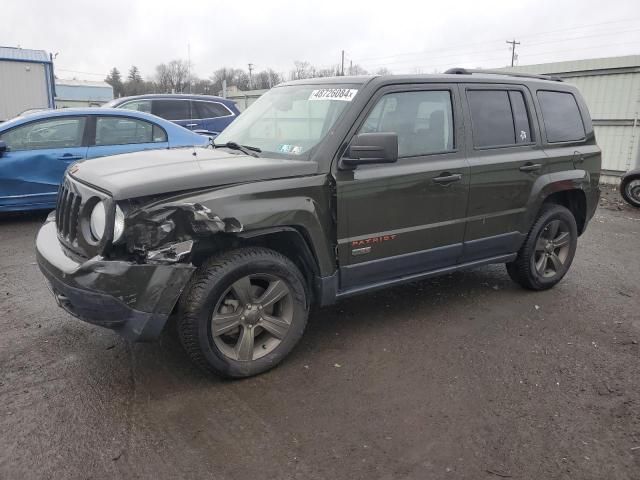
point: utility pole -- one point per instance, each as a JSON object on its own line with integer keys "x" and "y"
{"x": 342, "y": 68}
{"x": 513, "y": 44}
{"x": 351, "y": 67}
{"x": 189, "y": 66}
{"x": 250, "y": 82}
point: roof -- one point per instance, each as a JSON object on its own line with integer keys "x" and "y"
{"x": 607, "y": 63}
{"x": 61, "y": 112}
{"x": 188, "y": 96}
{"x": 421, "y": 78}
{"x": 24, "y": 55}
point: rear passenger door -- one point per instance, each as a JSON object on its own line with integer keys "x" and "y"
{"x": 114, "y": 135}
{"x": 176, "y": 110}
{"x": 505, "y": 160}
{"x": 397, "y": 220}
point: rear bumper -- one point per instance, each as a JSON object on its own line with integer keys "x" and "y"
{"x": 135, "y": 300}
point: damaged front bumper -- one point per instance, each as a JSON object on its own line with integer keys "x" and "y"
{"x": 133, "y": 299}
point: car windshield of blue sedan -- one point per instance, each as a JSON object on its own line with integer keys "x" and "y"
{"x": 289, "y": 121}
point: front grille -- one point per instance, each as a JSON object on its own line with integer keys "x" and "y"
{"x": 74, "y": 205}
{"x": 67, "y": 212}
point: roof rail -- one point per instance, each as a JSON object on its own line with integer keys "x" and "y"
{"x": 468, "y": 71}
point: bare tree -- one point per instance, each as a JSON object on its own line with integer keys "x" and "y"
{"x": 383, "y": 71}
{"x": 301, "y": 69}
{"x": 173, "y": 76}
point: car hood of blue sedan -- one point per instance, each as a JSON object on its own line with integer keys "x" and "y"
{"x": 163, "y": 171}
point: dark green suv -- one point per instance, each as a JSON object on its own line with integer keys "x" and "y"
{"x": 323, "y": 189}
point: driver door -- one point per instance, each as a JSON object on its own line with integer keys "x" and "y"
{"x": 403, "y": 219}
{"x": 38, "y": 153}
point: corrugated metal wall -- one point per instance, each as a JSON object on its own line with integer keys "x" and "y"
{"x": 619, "y": 147}
{"x": 610, "y": 96}
{"x": 23, "y": 86}
{"x": 614, "y": 102}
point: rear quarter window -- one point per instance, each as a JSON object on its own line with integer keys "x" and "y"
{"x": 561, "y": 116}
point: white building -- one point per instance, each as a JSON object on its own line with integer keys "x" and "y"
{"x": 26, "y": 81}
{"x": 82, "y": 93}
{"x": 611, "y": 88}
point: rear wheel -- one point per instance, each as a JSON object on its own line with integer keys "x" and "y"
{"x": 630, "y": 191}
{"x": 243, "y": 312}
{"x": 547, "y": 253}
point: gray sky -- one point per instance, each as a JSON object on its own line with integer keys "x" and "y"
{"x": 406, "y": 37}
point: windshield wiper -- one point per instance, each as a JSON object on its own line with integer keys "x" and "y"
{"x": 246, "y": 149}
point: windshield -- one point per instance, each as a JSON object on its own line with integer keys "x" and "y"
{"x": 289, "y": 121}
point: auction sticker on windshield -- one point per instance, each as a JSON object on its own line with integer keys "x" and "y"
{"x": 343, "y": 94}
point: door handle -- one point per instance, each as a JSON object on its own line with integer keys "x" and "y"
{"x": 69, "y": 156}
{"x": 192, "y": 124}
{"x": 446, "y": 178}
{"x": 577, "y": 157}
{"x": 531, "y": 167}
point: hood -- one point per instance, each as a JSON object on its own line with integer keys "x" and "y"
{"x": 163, "y": 171}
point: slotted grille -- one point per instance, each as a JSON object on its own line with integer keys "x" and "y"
{"x": 74, "y": 197}
{"x": 67, "y": 210}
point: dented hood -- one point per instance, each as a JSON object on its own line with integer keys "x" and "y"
{"x": 164, "y": 171}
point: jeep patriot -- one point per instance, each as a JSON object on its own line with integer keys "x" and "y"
{"x": 323, "y": 189}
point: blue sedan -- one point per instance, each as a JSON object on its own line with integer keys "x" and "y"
{"x": 36, "y": 149}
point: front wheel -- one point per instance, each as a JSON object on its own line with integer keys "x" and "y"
{"x": 243, "y": 312}
{"x": 630, "y": 191}
{"x": 547, "y": 253}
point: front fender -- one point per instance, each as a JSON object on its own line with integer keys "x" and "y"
{"x": 303, "y": 203}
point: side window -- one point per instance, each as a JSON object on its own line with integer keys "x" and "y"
{"x": 561, "y": 116}
{"x": 499, "y": 118}
{"x": 63, "y": 132}
{"x": 422, "y": 120}
{"x": 171, "y": 109}
{"x": 208, "y": 110}
{"x": 138, "y": 105}
{"x": 124, "y": 131}
{"x": 520, "y": 117}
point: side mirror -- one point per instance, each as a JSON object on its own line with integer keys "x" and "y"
{"x": 3, "y": 147}
{"x": 370, "y": 148}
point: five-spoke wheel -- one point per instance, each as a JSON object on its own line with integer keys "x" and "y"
{"x": 243, "y": 312}
{"x": 548, "y": 250}
{"x": 252, "y": 317}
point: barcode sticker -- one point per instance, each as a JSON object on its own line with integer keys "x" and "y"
{"x": 343, "y": 94}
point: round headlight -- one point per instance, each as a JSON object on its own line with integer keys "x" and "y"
{"x": 98, "y": 221}
{"x": 118, "y": 225}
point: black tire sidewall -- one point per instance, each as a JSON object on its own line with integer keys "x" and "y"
{"x": 220, "y": 283}
{"x": 623, "y": 191}
{"x": 556, "y": 212}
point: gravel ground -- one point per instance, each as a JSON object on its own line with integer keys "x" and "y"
{"x": 465, "y": 376}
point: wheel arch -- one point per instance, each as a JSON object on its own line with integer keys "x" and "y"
{"x": 569, "y": 189}
{"x": 291, "y": 241}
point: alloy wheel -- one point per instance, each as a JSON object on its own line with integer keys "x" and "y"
{"x": 552, "y": 249}
{"x": 252, "y": 317}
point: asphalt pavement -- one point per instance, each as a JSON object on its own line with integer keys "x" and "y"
{"x": 465, "y": 376}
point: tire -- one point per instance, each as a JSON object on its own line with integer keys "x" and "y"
{"x": 541, "y": 264}
{"x": 630, "y": 190}
{"x": 234, "y": 319}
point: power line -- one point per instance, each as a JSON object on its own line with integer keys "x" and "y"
{"x": 539, "y": 34}
{"x": 477, "y": 62}
{"x": 445, "y": 53}
{"x": 84, "y": 73}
